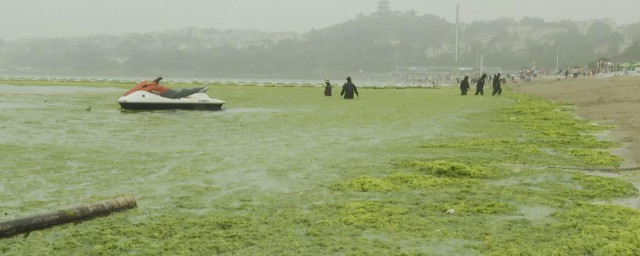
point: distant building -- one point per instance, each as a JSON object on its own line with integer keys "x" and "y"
{"x": 602, "y": 65}
{"x": 384, "y": 8}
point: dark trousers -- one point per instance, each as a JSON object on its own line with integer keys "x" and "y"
{"x": 497, "y": 90}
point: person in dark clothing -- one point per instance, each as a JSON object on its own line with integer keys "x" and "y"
{"x": 497, "y": 87}
{"x": 327, "y": 88}
{"x": 480, "y": 85}
{"x": 464, "y": 85}
{"x": 348, "y": 89}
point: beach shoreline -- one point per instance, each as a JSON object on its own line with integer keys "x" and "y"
{"x": 611, "y": 101}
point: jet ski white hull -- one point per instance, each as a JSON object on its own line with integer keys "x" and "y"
{"x": 142, "y": 100}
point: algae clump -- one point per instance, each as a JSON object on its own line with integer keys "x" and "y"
{"x": 449, "y": 169}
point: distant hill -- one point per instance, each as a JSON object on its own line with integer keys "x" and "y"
{"x": 376, "y": 43}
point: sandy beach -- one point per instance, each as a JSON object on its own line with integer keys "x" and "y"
{"x": 612, "y": 101}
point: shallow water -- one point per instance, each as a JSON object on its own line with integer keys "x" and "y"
{"x": 257, "y": 177}
{"x": 35, "y": 89}
{"x": 69, "y": 144}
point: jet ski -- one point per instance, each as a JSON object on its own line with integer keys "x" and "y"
{"x": 153, "y": 96}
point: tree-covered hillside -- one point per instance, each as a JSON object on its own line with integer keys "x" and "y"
{"x": 376, "y": 43}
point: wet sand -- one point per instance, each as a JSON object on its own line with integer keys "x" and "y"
{"x": 612, "y": 101}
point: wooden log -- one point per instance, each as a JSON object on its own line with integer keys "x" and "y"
{"x": 41, "y": 221}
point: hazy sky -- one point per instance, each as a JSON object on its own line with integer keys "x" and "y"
{"x": 64, "y": 18}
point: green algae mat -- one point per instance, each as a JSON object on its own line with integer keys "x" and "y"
{"x": 287, "y": 171}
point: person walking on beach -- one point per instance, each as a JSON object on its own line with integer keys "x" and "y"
{"x": 327, "y": 88}
{"x": 348, "y": 89}
{"x": 497, "y": 87}
{"x": 480, "y": 85}
{"x": 464, "y": 85}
